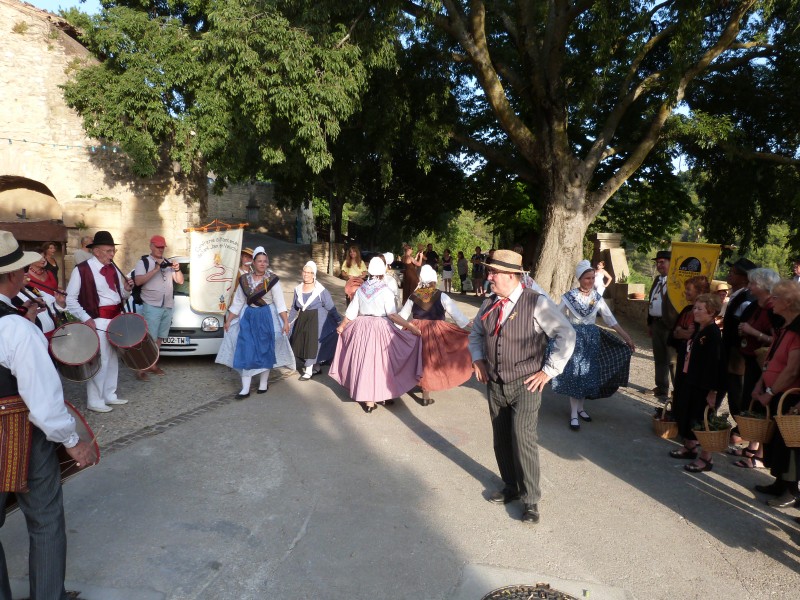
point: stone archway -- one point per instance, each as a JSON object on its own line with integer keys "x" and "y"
{"x": 30, "y": 211}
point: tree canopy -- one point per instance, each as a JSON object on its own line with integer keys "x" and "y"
{"x": 551, "y": 113}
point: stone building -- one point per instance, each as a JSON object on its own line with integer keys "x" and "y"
{"x": 56, "y": 184}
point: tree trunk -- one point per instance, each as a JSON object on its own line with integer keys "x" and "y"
{"x": 560, "y": 246}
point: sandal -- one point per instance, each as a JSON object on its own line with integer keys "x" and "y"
{"x": 741, "y": 452}
{"x": 693, "y": 468}
{"x": 684, "y": 453}
{"x": 750, "y": 462}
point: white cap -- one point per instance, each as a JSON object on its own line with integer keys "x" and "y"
{"x": 388, "y": 257}
{"x": 376, "y": 266}
{"x": 427, "y": 274}
{"x": 582, "y": 267}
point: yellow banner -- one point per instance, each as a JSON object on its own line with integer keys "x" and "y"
{"x": 689, "y": 260}
{"x": 214, "y": 268}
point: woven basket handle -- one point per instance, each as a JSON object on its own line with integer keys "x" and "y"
{"x": 753, "y": 401}
{"x": 788, "y": 392}
{"x": 664, "y": 409}
{"x": 705, "y": 418}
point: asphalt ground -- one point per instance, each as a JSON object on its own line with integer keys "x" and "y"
{"x": 298, "y": 493}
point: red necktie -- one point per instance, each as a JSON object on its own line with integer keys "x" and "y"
{"x": 501, "y": 303}
{"x": 110, "y": 274}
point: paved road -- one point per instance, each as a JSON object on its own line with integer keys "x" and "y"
{"x": 300, "y": 494}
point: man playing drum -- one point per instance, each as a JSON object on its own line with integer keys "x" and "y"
{"x": 34, "y": 420}
{"x": 156, "y": 278}
{"x": 95, "y": 295}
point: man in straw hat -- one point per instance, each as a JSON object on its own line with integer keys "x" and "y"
{"x": 95, "y": 295}
{"x": 35, "y": 421}
{"x": 508, "y": 344}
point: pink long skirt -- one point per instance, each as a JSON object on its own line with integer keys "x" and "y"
{"x": 375, "y": 361}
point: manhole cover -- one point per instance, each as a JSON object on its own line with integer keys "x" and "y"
{"x": 527, "y": 592}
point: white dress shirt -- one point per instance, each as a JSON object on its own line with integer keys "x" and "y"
{"x": 547, "y": 319}
{"x": 23, "y": 351}
{"x": 380, "y": 305}
{"x": 107, "y": 296}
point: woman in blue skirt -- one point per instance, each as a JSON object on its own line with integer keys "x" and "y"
{"x": 262, "y": 343}
{"x": 601, "y": 361}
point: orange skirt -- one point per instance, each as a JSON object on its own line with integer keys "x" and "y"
{"x": 446, "y": 361}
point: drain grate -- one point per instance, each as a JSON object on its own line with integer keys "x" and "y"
{"x": 539, "y": 591}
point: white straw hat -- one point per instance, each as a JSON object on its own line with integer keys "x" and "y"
{"x": 12, "y": 256}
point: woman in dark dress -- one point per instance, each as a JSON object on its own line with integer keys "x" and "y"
{"x": 314, "y": 319}
{"x": 698, "y": 378}
{"x": 682, "y": 332}
{"x": 49, "y": 251}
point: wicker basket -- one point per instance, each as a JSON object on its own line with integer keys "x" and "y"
{"x": 788, "y": 424}
{"x": 712, "y": 441}
{"x": 665, "y": 429}
{"x": 754, "y": 429}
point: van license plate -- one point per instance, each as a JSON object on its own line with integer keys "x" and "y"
{"x": 178, "y": 341}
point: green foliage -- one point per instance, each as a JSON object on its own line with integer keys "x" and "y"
{"x": 715, "y": 423}
{"x": 238, "y": 83}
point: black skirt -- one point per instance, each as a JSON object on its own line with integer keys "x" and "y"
{"x": 305, "y": 335}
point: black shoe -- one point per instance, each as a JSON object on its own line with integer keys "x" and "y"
{"x": 368, "y": 409}
{"x": 574, "y": 424}
{"x": 786, "y": 500}
{"x": 389, "y": 402}
{"x": 242, "y": 396}
{"x": 504, "y": 496}
{"x": 262, "y": 391}
{"x": 774, "y": 489}
{"x": 427, "y": 401}
{"x": 531, "y": 514}
{"x": 656, "y": 392}
{"x": 585, "y": 416}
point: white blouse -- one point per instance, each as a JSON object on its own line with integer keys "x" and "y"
{"x": 380, "y": 305}
{"x": 599, "y": 307}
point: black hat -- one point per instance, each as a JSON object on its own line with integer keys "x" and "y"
{"x": 102, "y": 238}
{"x": 742, "y": 265}
{"x": 666, "y": 254}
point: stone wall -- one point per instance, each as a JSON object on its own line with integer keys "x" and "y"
{"x": 43, "y": 140}
{"x": 254, "y": 203}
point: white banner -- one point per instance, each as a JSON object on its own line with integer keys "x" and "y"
{"x": 214, "y": 269}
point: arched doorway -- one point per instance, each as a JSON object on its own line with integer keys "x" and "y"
{"x": 30, "y": 211}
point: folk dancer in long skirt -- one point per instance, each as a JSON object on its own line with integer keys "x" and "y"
{"x": 446, "y": 361}
{"x": 374, "y": 360}
{"x": 600, "y": 363}
{"x": 313, "y": 318}
{"x": 262, "y": 342}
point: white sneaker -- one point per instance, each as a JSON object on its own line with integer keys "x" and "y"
{"x": 117, "y": 401}
{"x": 101, "y": 409}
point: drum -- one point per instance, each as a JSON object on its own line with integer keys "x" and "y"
{"x": 128, "y": 334}
{"x": 69, "y": 468}
{"x": 75, "y": 348}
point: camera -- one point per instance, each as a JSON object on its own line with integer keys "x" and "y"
{"x": 165, "y": 264}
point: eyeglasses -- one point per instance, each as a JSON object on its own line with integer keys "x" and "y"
{"x": 494, "y": 272}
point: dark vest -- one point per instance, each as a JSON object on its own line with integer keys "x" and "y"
{"x": 730, "y": 322}
{"x": 434, "y": 312}
{"x": 8, "y": 383}
{"x": 87, "y": 294}
{"x": 517, "y": 350}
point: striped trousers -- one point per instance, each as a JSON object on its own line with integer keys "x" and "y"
{"x": 43, "y": 508}
{"x": 515, "y": 416}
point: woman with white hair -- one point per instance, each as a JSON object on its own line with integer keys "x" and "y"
{"x": 446, "y": 361}
{"x": 374, "y": 360}
{"x": 314, "y": 318}
{"x": 601, "y": 361}
{"x": 262, "y": 341}
{"x": 757, "y": 328}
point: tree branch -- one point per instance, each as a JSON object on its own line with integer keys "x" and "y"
{"x": 779, "y": 159}
{"x": 496, "y": 156}
{"x": 343, "y": 41}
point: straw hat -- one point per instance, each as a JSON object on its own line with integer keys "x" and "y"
{"x": 506, "y": 261}
{"x": 12, "y": 256}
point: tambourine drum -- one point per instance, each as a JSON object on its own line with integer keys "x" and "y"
{"x": 128, "y": 334}
{"x": 69, "y": 467}
{"x": 75, "y": 348}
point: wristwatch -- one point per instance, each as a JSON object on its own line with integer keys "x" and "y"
{"x": 768, "y": 390}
